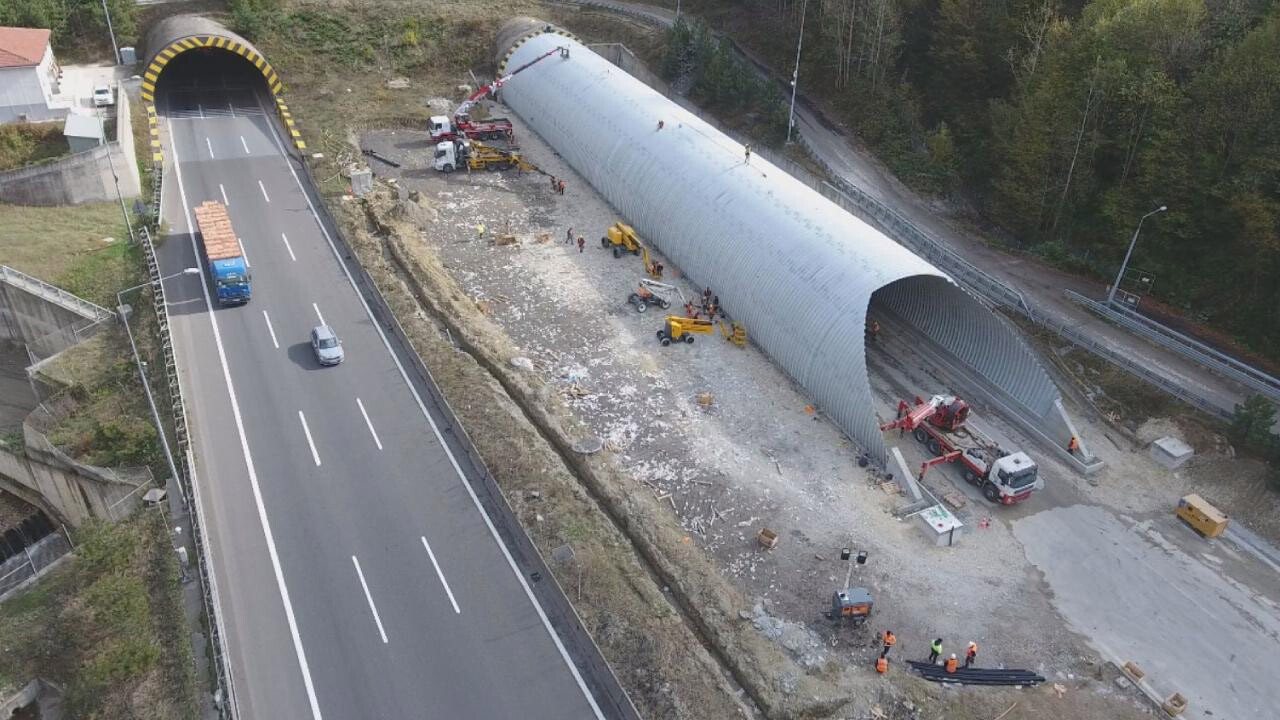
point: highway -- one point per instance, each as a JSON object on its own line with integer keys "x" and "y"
{"x": 358, "y": 573}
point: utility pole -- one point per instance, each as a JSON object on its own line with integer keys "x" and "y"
{"x": 114, "y": 48}
{"x": 795, "y": 74}
{"x": 133, "y": 239}
{"x": 1111, "y": 296}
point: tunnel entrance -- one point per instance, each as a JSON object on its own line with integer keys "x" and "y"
{"x": 217, "y": 54}
{"x": 211, "y": 83}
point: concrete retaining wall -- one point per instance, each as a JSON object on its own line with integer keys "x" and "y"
{"x": 68, "y": 491}
{"x": 83, "y": 177}
{"x": 45, "y": 327}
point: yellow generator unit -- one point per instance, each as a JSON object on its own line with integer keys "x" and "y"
{"x": 1201, "y": 516}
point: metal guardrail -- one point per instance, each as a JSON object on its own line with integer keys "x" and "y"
{"x": 1187, "y": 347}
{"x": 186, "y": 476}
{"x": 55, "y": 294}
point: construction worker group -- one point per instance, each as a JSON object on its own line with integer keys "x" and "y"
{"x": 951, "y": 664}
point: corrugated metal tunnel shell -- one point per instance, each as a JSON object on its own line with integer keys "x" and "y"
{"x": 795, "y": 268}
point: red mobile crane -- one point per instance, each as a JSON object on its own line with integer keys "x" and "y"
{"x": 463, "y": 127}
{"x": 1004, "y": 476}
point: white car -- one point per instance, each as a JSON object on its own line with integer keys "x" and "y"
{"x": 103, "y": 96}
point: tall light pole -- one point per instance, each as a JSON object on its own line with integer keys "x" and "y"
{"x": 795, "y": 74}
{"x": 1111, "y": 296}
{"x": 142, "y": 374}
{"x": 115, "y": 48}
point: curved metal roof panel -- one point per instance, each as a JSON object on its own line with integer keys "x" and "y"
{"x": 797, "y": 270}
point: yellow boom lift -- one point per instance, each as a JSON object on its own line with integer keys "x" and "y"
{"x": 622, "y": 238}
{"x": 679, "y": 329}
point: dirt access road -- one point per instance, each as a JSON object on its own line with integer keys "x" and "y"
{"x": 1040, "y": 285}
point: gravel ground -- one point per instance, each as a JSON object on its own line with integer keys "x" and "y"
{"x": 755, "y": 458}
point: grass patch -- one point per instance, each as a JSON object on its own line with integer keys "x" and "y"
{"x": 65, "y": 246}
{"x": 23, "y": 144}
{"x": 107, "y": 626}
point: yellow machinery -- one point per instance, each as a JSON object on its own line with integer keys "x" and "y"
{"x": 738, "y": 336}
{"x": 487, "y": 157}
{"x": 622, "y": 238}
{"x": 679, "y": 329}
{"x": 1201, "y": 516}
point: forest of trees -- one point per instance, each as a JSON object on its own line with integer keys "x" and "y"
{"x": 1062, "y": 122}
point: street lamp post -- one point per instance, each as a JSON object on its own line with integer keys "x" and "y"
{"x": 1111, "y": 296}
{"x": 146, "y": 386}
{"x": 795, "y": 74}
{"x": 115, "y": 48}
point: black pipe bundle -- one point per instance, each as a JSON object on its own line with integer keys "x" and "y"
{"x": 976, "y": 675}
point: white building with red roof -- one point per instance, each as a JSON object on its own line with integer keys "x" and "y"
{"x": 28, "y": 76}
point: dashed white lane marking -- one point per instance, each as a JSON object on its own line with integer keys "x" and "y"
{"x": 372, "y": 608}
{"x": 264, "y": 191}
{"x": 288, "y": 247}
{"x": 270, "y": 329}
{"x": 317, "y": 308}
{"x": 443, "y": 582}
{"x": 200, "y": 107}
{"x": 368, "y": 422}
{"x": 224, "y": 195}
{"x": 244, "y": 144}
{"x": 311, "y": 443}
{"x": 289, "y": 616}
{"x": 244, "y": 254}
{"x": 209, "y": 144}
{"x": 435, "y": 429}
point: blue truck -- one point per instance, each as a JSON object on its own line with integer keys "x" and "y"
{"x": 227, "y": 267}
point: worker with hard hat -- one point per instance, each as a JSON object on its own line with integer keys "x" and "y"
{"x": 971, "y": 654}
{"x": 889, "y": 639}
{"x": 951, "y": 663}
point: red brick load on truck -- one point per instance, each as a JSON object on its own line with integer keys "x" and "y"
{"x": 227, "y": 267}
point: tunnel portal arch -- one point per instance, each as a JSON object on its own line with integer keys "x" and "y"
{"x": 175, "y": 35}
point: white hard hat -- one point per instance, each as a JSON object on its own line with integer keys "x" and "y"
{"x": 953, "y": 656}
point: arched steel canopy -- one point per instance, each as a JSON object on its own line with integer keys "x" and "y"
{"x": 177, "y": 34}
{"x": 796, "y": 269}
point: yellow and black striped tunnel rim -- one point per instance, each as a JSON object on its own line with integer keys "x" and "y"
{"x": 218, "y": 42}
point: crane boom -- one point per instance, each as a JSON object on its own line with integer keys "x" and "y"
{"x": 486, "y": 90}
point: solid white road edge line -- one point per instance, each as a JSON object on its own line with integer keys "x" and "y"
{"x": 270, "y": 329}
{"x": 493, "y": 531}
{"x": 372, "y": 432}
{"x": 288, "y": 247}
{"x": 373, "y": 608}
{"x": 443, "y": 582}
{"x": 244, "y": 445}
{"x": 264, "y": 191}
{"x": 311, "y": 443}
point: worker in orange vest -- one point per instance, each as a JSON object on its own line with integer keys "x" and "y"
{"x": 971, "y": 654}
{"x": 882, "y": 664}
{"x": 951, "y": 663}
{"x": 889, "y": 639}
{"x": 1074, "y": 445}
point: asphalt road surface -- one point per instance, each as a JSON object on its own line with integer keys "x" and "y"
{"x": 357, "y": 572}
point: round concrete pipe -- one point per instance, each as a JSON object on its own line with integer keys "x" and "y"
{"x": 798, "y": 271}
{"x": 177, "y": 34}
